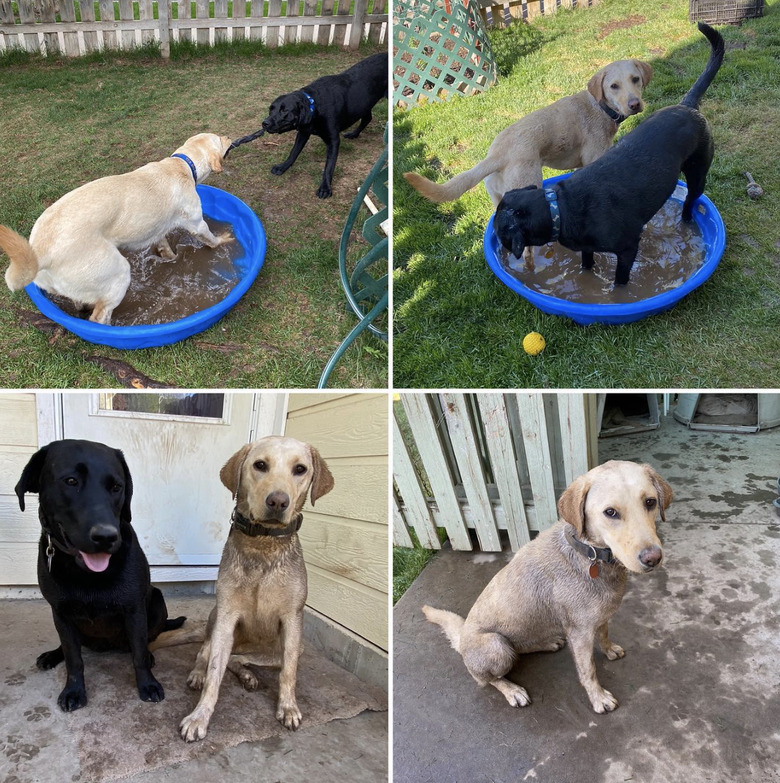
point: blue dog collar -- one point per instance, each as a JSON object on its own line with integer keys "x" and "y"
{"x": 189, "y": 163}
{"x": 555, "y": 212}
{"x": 311, "y": 101}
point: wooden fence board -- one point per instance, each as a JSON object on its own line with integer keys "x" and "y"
{"x": 70, "y": 38}
{"x": 126, "y": 14}
{"x": 401, "y": 535}
{"x": 408, "y": 483}
{"x": 239, "y": 12}
{"x": 220, "y": 12}
{"x": 340, "y": 30}
{"x": 323, "y": 35}
{"x": 463, "y": 437}
{"x": 498, "y": 436}
{"x": 574, "y": 431}
{"x": 109, "y": 36}
{"x": 91, "y": 40}
{"x": 420, "y": 416}
{"x": 375, "y": 31}
{"x": 309, "y": 9}
{"x": 291, "y": 31}
{"x": 272, "y": 33}
{"x": 202, "y": 12}
{"x": 255, "y": 31}
{"x": 146, "y": 14}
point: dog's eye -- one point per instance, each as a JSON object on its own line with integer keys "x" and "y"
{"x": 72, "y": 482}
{"x": 299, "y": 470}
{"x": 614, "y": 86}
{"x": 635, "y": 79}
{"x": 650, "y": 503}
{"x": 611, "y": 513}
{"x": 261, "y": 465}
{"x": 116, "y": 489}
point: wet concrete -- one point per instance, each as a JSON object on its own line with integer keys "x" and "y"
{"x": 698, "y": 688}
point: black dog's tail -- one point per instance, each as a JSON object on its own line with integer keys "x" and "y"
{"x": 716, "y": 58}
{"x": 172, "y": 625}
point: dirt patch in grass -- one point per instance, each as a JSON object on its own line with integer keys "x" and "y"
{"x": 621, "y": 24}
{"x": 69, "y": 122}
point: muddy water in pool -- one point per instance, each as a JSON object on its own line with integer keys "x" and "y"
{"x": 162, "y": 291}
{"x": 670, "y": 251}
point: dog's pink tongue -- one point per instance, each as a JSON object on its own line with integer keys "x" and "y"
{"x": 96, "y": 562}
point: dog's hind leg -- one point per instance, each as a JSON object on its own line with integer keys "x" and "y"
{"x": 363, "y": 122}
{"x": 695, "y": 170}
{"x": 50, "y": 659}
{"x": 324, "y": 190}
{"x": 489, "y": 657}
{"x": 300, "y": 143}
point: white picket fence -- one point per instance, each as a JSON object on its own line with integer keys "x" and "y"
{"x": 75, "y": 27}
{"x": 486, "y": 463}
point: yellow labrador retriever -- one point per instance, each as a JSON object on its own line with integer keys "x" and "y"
{"x": 566, "y": 584}
{"x": 74, "y": 247}
{"x": 570, "y": 133}
{"x": 261, "y": 587}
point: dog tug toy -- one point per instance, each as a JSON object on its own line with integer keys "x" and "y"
{"x": 245, "y": 140}
{"x": 754, "y": 190}
{"x": 533, "y": 343}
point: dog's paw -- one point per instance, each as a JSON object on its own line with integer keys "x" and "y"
{"x": 289, "y": 716}
{"x": 72, "y": 698}
{"x": 248, "y": 680}
{"x": 226, "y": 238}
{"x": 614, "y": 651}
{"x": 324, "y": 192}
{"x": 195, "y": 680}
{"x": 556, "y": 644}
{"x": 517, "y": 696}
{"x": 195, "y": 725}
{"x": 603, "y": 701}
{"x": 151, "y": 691}
{"x": 50, "y": 659}
{"x": 279, "y": 169}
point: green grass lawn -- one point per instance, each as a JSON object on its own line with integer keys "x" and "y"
{"x": 67, "y": 122}
{"x": 456, "y": 325}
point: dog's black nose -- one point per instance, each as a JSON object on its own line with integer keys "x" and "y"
{"x": 651, "y": 556}
{"x": 103, "y": 536}
{"x": 278, "y": 501}
{"x": 265, "y": 125}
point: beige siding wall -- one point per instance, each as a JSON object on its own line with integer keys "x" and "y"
{"x": 19, "y": 532}
{"x": 345, "y": 536}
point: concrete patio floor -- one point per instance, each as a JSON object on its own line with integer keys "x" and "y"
{"x": 699, "y": 687}
{"x": 39, "y": 743}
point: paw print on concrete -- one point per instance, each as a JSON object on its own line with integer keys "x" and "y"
{"x": 39, "y": 713}
{"x": 16, "y": 750}
{"x": 15, "y": 679}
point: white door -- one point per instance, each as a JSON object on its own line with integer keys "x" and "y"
{"x": 175, "y": 445}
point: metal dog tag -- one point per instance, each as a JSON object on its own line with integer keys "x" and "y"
{"x": 49, "y": 554}
{"x": 593, "y": 571}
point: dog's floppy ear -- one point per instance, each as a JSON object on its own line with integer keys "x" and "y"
{"x": 214, "y": 157}
{"x": 30, "y": 475}
{"x": 665, "y": 492}
{"x": 322, "y": 481}
{"x": 596, "y": 84}
{"x": 571, "y": 504}
{"x": 231, "y": 470}
{"x": 645, "y": 69}
{"x": 124, "y": 514}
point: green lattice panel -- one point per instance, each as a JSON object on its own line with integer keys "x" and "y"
{"x": 441, "y": 49}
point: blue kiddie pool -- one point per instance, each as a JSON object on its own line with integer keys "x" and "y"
{"x": 218, "y": 205}
{"x": 713, "y": 233}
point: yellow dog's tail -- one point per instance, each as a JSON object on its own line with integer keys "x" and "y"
{"x": 451, "y": 624}
{"x": 454, "y": 188}
{"x": 24, "y": 263}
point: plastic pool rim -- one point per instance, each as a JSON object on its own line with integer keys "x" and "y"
{"x": 217, "y": 204}
{"x": 624, "y": 312}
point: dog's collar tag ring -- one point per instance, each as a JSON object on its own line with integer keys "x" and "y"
{"x": 189, "y": 163}
{"x": 555, "y": 212}
{"x": 49, "y": 552}
{"x": 593, "y": 569}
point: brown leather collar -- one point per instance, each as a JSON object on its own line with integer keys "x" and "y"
{"x": 593, "y": 553}
{"x": 253, "y": 529}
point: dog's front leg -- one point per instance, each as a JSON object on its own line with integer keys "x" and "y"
{"x": 581, "y": 642}
{"x": 138, "y": 636}
{"x": 287, "y": 711}
{"x": 196, "y": 724}
{"x": 330, "y": 165}
{"x": 625, "y": 260}
{"x": 300, "y": 143}
{"x": 74, "y": 694}
{"x": 610, "y": 649}
{"x": 587, "y": 259}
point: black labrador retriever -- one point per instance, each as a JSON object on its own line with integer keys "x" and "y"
{"x": 604, "y": 206}
{"x": 91, "y": 568}
{"x": 324, "y": 108}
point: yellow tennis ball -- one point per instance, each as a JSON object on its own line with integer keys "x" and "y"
{"x": 533, "y": 343}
